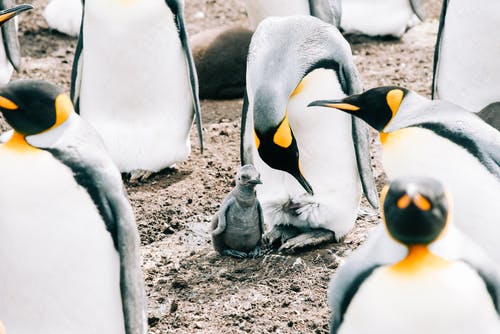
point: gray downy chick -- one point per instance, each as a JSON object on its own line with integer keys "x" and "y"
{"x": 238, "y": 226}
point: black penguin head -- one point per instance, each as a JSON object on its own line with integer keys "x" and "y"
{"x": 7, "y": 14}
{"x": 376, "y": 106}
{"x": 32, "y": 107}
{"x": 415, "y": 210}
{"x": 248, "y": 176}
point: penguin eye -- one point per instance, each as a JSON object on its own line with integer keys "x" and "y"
{"x": 245, "y": 177}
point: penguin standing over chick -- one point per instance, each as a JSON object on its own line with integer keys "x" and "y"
{"x": 238, "y": 226}
{"x": 419, "y": 274}
{"x": 69, "y": 245}
{"x": 134, "y": 80}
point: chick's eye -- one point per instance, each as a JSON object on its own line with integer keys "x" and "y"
{"x": 245, "y": 177}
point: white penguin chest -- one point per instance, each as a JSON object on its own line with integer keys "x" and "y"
{"x": 475, "y": 191}
{"x": 58, "y": 261}
{"x": 380, "y": 17}
{"x": 258, "y": 10}
{"x": 450, "y": 300}
{"x": 468, "y": 71}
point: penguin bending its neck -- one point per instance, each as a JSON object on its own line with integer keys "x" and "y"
{"x": 312, "y": 168}
{"x": 420, "y": 275}
{"x": 69, "y": 246}
{"x": 135, "y": 81}
{"x": 441, "y": 140}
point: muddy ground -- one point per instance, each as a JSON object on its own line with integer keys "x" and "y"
{"x": 190, "y": 289}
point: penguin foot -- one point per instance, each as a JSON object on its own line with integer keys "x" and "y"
{"x": 308, "y": 239}
{"x": 140, "y": 175}
{"x": 234, "y": 253}
{"x": 280, "y": 234}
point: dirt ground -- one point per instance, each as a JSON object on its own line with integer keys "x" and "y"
{"x": 190, "y": 289}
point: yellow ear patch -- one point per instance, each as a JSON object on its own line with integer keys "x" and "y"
{"x": 257, "y": 140}
{"x": 283, "y": 136}
{"x": 422, "y": 203}
{"x": 394, "y": 99}
{"x": 7, "y": 104}
{"x": 403, "y": 202}
{"x": 64, "y": 108}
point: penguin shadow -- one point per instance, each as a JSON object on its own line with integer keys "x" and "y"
{"x": 164, "y": 178}
{"x": 354, "y": 39}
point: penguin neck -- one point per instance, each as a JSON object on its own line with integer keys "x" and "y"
{"x": 419, "y": 258}
{"x": 18, "y": 143}
{"x": 245, "y": 195}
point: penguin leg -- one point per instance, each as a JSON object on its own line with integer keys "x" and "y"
{"x": 308, "y": 239}
{"x": 280, "y": 234}
{"x": 234, "y": 253}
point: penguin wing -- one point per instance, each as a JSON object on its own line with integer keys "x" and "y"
{"x": 491, "y": 115}
{"x": 84, "y": 153}
{"x": 327, "y": 10}
{"x": 9, "y": 35}
{"x": 378, "y": 250}
{"x": 177, "y": 8}
{"x": 245, "y": 149}
{"x": 418, "y": 8}
{"x": 76, "y": 72}
{"x": 437, "y": 49}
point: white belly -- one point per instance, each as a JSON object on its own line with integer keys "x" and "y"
{"x": 380, "y": 17}
{"x": 469, "y": 62}
{"x": 475, "y": 192}
{"x": 60, "y": 270}
{"x": 6, "y": 68}
{"x": 327, "y": 159}
{"x": 258, "y": 10}
{"x": 135, "y": 86}
{"x": 453, "y": 300}
{"x": 64, "y": 16}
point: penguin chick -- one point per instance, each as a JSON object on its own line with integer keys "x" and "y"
{"x": 452, "y": 289}
{"x": 238, "y": 226}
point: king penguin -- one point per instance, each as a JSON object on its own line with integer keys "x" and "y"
{"x": 69, "y": 246}
{"x": 440, "y": 140}
{"x": 310, "y": 165}
{"x": 416, "y": 274}
{"x": 10, "y": 52}
{"x": 134, "y": 80}
{"x": 64, "y": 16}
{"x": 467, "y": 54}
{"x": 326, "y": 10}
{"x": 381, "y": 17}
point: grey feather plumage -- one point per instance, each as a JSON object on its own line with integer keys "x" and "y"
{"x": 305, "y": 44}
{"x": 329, "y": 11}
{"x": 83, "y": 152}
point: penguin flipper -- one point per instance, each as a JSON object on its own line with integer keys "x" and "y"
{"x": 76, "y": 72}
{"x": 83, "y": 152}
{"x": 361, "y": 140}
{"x": 10, "y": 39}
{"x": 327, "y": 10}
{"x": 491, "y": 115}
{"x": 418, "y": 8}
{"x": 437, "y": 50}
{"x": 177, "y": 7}
{"x": 245, "y": 155}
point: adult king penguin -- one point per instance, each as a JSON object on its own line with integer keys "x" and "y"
{"x": 440, "y": 140}
{"x": 326, "y": 10}
{"x": 10, "y": 52}
{"x": 69, "y": 246}
{"x": 310, "y": 165}
{"x": 134, "y": 80}
{"x": 381, "y": 17}
{"x": 418, "y": 274}
{"x": 466, "y": 59}
{"x": 64, "y": 16}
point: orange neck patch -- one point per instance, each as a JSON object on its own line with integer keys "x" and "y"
{"x": 419, "y": 259}
{"x": 18, "y": 143}
{"x": 283, "y": 136}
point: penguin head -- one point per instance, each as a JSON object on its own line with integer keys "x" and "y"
{"x": 415, "y": 210}
{"x": 7, "y": 14}
{"x": 248, "y": 176}
{"x": 274, "y": 139}
{"x": 32, "y": 107}
{"x": 377, "y": 106}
